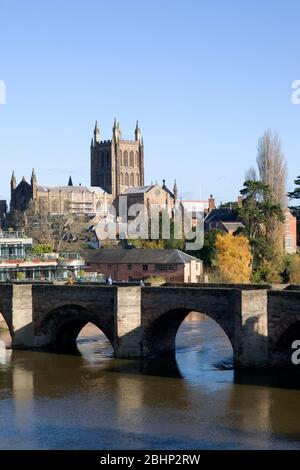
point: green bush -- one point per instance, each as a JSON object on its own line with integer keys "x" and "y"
{"x": 20, "y": 276}
{"x": 291, "y": 269}
{"x": 41, "y": 248}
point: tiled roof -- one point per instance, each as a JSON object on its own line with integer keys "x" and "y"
{"x": 222, "y": 215}
{"x": 137, "y": 256}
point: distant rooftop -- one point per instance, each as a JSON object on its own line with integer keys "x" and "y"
{"x": 137, "y": 256}
{"x": 222, "y": 214}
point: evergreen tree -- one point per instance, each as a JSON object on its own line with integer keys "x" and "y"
{"x": 295, "y": 195}
{"x": 296, "y": 209}
{"x": 259, "y": 213}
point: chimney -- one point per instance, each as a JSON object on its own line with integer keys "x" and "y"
{"x": 240, "y": 201}
{"x": 211, "y": 203}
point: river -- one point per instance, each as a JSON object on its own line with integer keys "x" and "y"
{"x": 192, "y": 401}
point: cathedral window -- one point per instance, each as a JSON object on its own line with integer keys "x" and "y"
{"x": 131, "y": 159}
{"x": 125, "y": 158}
{"x": 121, "y": 162}
{"x": 137, "y": 179}
{"x": 121, "y": 179}
{"x": 137, "y": 159}
{"x": 126, "y": 179}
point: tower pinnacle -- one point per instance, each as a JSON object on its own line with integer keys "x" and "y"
{"x": 137, "y": 132}
{"x": 117, "y": 136}
{"x": 175, "y": 190}
{"x": 96, "y": 133}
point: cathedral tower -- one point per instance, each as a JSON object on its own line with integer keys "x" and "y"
{"x": 117, "y": 164}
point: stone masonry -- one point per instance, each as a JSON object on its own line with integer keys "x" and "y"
{"x": 143, "y": 321}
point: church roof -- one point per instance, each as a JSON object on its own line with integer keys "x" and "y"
{"x": 73, "y": 189}
{"x": 138, "y": 189}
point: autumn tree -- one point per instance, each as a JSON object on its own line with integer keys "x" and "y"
{"x": 233, "y": 258}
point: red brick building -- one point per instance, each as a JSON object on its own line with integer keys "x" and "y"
{"x": 139, "y": 263}
{"x": 290, "y": 232}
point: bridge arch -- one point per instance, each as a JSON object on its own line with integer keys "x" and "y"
{"x": 62, "y": 325}
{"x": 5, "y": 320}
{"x": 160, "y": 334}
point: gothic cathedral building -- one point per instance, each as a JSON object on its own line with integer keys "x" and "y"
{"x": 117, "y": 164}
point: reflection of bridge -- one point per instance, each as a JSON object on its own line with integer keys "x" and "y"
{"x": 142, "y": 322}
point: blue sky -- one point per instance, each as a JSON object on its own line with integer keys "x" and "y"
{"x": 204, "y": 78}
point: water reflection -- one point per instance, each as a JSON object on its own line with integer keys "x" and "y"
{"x": 191, "y": 400}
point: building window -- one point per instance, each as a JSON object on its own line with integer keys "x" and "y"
{"x": 131, "y": 179}
{"x": 126, "y": 179}
{"x": 121, "y": 179}
{"x": 165, "y": 267}
{"x": 137, "y": 159}
{"x": 145, "y": 267}
{"x": 121, "y": 158}
{"x": 137, "y": 180}
{"x": 125, "y": 159}
{"x": 129, "y": 267}
{"x": 131, "y": 159}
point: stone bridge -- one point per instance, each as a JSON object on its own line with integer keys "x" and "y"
{"x": 260, "y": 323}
